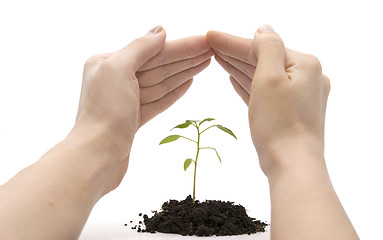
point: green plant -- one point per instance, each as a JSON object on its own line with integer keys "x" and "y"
{"x": 197, "y": 125}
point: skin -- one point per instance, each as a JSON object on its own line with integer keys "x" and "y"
{"x": 121, "y": 91}
{"x": 287, "y": 95}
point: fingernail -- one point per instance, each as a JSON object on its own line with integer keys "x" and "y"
{"x": 156, "y": 29}
{"x": 266, "y": 29}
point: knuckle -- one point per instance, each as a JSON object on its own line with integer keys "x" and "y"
{"x": 91, "y": 61}
{"x": 311, "y": 62}
{"x": 105, "y": 67}
{"x": 111, "y": 69}
{"x": 327, "y": 83}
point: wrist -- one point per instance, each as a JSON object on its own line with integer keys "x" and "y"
{"x": 104, "y": 137}
{"x": 291, "y": 154}
{"x": 105, "y": 154}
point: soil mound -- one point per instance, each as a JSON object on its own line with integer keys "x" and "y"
{"x": 202, "y": 219}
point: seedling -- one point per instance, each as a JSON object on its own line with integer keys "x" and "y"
{"x": 197, "y": 125}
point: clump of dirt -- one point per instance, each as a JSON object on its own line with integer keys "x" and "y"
{"x": 202, "y": 219}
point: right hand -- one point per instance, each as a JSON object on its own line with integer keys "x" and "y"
{"x": 285, "y": 90}
{"x": 124, "y": 89}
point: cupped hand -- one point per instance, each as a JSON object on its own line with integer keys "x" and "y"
{"x": 124, "y": 89}
{"x": 236, "y": 55}
{"x": 285, "y": 90}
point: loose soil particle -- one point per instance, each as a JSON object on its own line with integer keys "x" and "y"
{"x": 202, "y": 219}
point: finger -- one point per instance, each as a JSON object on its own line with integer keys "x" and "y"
{"x": 241, "y": 78}
{"x": 156, "y": 75}
{"x": 177, "y": 50}
{"x": 244, "y": 67}
{"x": 233, "y": 46}
{"x": 240, "y": 91}
{"x": 270, "y": 50}
{"x": 149, "y": 111}
{"x": 139, "y": 51}
{"x": 153, "y": 93}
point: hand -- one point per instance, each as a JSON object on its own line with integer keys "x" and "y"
{"x": 285, "y": 90}
{"x": 122, "y": 90}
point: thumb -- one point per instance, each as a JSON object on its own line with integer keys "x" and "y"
{"x": 144, "y": 48}
{"x": 270, "y": 51}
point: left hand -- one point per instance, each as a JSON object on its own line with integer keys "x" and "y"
{"x": 285, "y": 90}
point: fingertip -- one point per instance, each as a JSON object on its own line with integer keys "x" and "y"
{"x": 209, "y": 34}
{"x": 265, "y": 29}
{"x": 190, "y": 81}
{"x": 232, "y": 81}
{"x": 163, "y": 35}
{"x": 157, "y": 30}
{"x": 269, "y": 49}
{"x": 196, "y": 45}
{"x": 205, "y": 44}
{"x": 181, "y": 90}
{"x": 211, "y": 52}
{"x": 212, "y": 37}
{"x": 208, "y": 61}
{"x": 204, "y": 64}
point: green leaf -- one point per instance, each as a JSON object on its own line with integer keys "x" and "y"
{"x": 217, "y": 155}
{"x": 170, "y": 138}
{"x": 226, "y": 130}
{"x": 187, "y": 163}
{"x": 183, "y": 125}
{"x": 206, "y": 120}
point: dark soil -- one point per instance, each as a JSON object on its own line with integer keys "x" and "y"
{"x": 202, "y": 219}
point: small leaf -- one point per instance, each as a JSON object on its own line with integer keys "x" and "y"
{"x": 226, "y": 130}
{"x": 183, "y": 125}
{"x": 169, "y": 139}
{"x": 218, "y": 155}
{"x": 187, "y": 163}
{"x": 206, "y": 120}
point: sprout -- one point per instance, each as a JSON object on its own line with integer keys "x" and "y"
{"x": 197, "y": 125}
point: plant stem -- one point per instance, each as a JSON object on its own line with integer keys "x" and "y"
{"x": 207, "y": 148}
{"x": 188, "y": 139}
{"x": 195, "y": 163}
{"x": 208, "y": 128}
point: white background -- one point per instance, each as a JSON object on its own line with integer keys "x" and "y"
{"x": 44, "y": 44}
